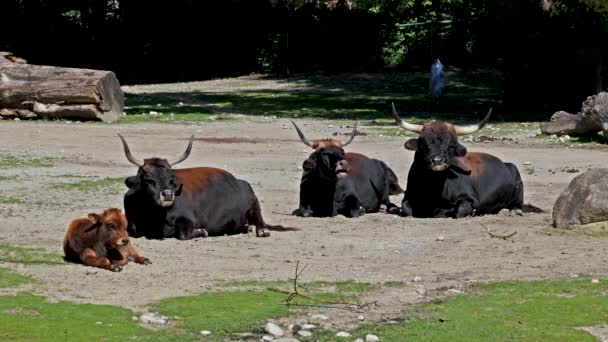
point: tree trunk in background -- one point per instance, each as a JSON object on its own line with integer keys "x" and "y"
{"x": 49, "y": 92}
{"x": 592, "y": 118}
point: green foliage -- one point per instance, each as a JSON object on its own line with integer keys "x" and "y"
{"x": 507, "y": 311}
{"x": 26, "y": 317}
{"x": 10, "y": 278}
{"x": 24, "y": 255}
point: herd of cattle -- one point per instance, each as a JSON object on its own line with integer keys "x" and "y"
{"x": 445, "y": 180}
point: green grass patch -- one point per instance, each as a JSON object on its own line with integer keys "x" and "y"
{"x": 10, "y": 200}
{"x": 26, "y": 317}
{"x": 241, "y": 311}
{"x": 7, "y": 178}
{"x": 10, "y": 278}
{"x": 507, "y": 311}
{"x": 25, "y": 255}
{"x": 7, "y": 162}
{"x": 87, "y": 185}
{"x": 224, "y": 312}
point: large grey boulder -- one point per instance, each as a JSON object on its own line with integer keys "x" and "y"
{"x": 584, "y": 201}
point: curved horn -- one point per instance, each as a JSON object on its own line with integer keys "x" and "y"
{"x": 186, "y": 153}
{"x": 302, "y": 137}
{"x": 352, "y": 135}
{"x": 406, "y": 125}
{"x": 463, "y": 130}
{"x": 128, "y": 152}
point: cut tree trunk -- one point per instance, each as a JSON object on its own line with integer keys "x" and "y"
{"x": 592, "y": 118}
{"x": 59, "y": 93}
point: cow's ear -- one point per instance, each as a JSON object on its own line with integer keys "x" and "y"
{"x": 460, "y": 150}
{"x": 411, "y": 144}
{"x": 95, "y": 221}
{"x": 179, "y": 189}
{"x": 132, "y": 182}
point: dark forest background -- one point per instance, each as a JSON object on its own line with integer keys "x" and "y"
{"x": 552, "y": 54}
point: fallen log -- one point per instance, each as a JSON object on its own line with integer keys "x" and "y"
{"x": 59, "y": 93}
{"x": 592, "y": 118}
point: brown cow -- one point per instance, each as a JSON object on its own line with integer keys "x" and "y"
{"x": 101, "y": 240}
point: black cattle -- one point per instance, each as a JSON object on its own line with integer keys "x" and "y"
{"x": 447, "y": 181}
{"x": 163, "y": 202}
{"x": 350, "y": 184}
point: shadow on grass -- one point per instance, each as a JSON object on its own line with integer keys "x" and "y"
{"x": 349, "y": 96}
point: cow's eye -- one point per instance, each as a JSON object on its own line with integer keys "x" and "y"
{"x": 111, "y": 226}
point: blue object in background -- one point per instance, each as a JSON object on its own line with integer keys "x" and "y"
{"x": 437, "y": 80}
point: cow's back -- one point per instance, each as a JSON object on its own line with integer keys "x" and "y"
{"x": 493, "y": 181}
{"x": 369, "y": 178}
{"x": 216, "y": 199}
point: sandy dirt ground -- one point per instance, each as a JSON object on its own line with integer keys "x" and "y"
{"x": 376, "y": 248}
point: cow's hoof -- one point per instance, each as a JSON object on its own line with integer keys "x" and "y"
{"x": 115, "y": 268}
{"x": 146, "y": 261}
{"x": 394, "y": 210}
{"x": 201, "y": 233}
{"x": 251, "y": 228}
{"x": 517, "y": 212}
{"x": 262, "y": 233}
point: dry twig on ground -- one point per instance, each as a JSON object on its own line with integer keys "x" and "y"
{"x": 503, "y": 237}
{"x": 322, "y": 303}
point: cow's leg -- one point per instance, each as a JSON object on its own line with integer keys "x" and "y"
{"x": 186, "y": 229}
{"x": 255, "y": 219}
{"x": 132, "y": 255}
{"x": 90, "y": 258}
{"x": 303, "y": 211}
{"x": 406, "y": 208}
{"x": 464, "y": 207}
{"x": 517, "y": 203}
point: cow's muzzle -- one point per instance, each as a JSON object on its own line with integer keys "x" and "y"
{"x": 166, "y": 199}
{"x": 342, "y": 169}
{"x": 438, "y": 163}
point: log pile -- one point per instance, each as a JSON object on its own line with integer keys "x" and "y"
{"x": 46, "y": 92}
{"x": 592, "y": 118}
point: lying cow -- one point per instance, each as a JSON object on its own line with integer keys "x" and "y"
{"x": 101, "y": 240}
{"x": 163, "y": 202}
{"x": 350, "y": 184}
{"x": 447, "y": 181}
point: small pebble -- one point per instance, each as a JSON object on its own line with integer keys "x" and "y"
{"x": 205, "y": 332}
{"x": 417, "y": 279}
{"x": 454, "y": 291}
{"x": 304, "y": 333}
{"x": 361, "y": 318}
{"x": 308, "y": 326}
{"x": 273, "y": 329}
{"x": 321, "y": 317}
{"x": 371, "y": 338}
{"x": 99, "y": 323}
{"x": 595, "y": 281}
{"x": 343, "y": 334}
{"x": 267, "y": 338}
{"x": 359, "y": 340}
{"x": 440, "y": 238}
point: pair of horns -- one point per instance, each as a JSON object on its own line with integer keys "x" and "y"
{"x": 139, "y": 163}
{"x": 308, "y": 143}
{"x": 460, "y": 130}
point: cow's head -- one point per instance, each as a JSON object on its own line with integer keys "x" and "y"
{"x": 437, "y": 144}
{"x": 155, "y": 178}
{"x": 328, "y": 157}
{"x": 111, "y": 228}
